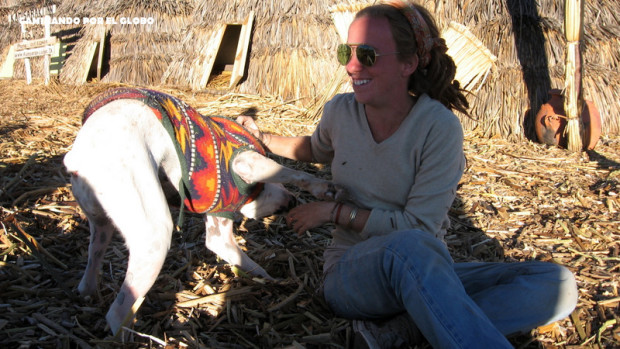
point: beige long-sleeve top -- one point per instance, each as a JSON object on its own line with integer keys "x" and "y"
{"x": 407, "y": 181}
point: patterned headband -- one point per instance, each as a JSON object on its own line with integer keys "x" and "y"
{"x": 420, "y": 29}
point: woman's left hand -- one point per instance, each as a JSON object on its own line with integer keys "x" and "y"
{"x": 311, "y": 215}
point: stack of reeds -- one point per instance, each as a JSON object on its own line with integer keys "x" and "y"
{"x": 473, "y": 60}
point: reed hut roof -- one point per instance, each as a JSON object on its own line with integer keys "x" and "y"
{"x": 291, "y": 53}
{"x": 291, "y": 50}
{"x": 135, "y": 53}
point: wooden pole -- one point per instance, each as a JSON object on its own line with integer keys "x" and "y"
{"x": 573, "y": 101}
{"x": 100, "y": 56}
{"x": 47, "y": 57}
{"x": 27, "y": 60}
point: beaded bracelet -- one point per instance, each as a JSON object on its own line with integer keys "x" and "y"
{"x": 338, "y": 213}
{"x": 331, "y": 214}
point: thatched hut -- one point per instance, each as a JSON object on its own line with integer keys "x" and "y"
{"x": 130, "y": 42}
{"x": 291, "y": 51}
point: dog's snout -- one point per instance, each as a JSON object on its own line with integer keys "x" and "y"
{"x": 292, "y": 202}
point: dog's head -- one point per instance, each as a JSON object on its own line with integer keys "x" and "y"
{"x": 274, "y": 198}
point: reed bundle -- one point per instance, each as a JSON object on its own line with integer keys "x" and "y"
{"x": 473, "y": 60}
{"x": 573, "y": 102}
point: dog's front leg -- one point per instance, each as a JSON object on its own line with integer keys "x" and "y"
{"x": 253, "y": 167}
{"x": 220, "y": 240}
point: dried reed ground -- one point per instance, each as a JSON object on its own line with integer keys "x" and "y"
{"x": 516, "y": 202}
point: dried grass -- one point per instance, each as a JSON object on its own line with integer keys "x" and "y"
{"x": 516, "y": 202}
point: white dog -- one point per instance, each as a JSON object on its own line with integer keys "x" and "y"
{"x": 137, "y": 146}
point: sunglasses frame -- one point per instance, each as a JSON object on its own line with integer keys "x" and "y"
{"x": 365, "y": 57}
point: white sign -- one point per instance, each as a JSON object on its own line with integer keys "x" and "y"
{"x": 33, "y": 49}
{"x": 34, "y": 52}
{"x": 24, "y": 45}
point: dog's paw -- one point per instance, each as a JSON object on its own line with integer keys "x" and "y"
{"x": 330, "y": 192}
{"x": 341, "y": 194}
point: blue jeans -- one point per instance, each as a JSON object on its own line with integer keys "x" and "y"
{"x": 455, "y": 305}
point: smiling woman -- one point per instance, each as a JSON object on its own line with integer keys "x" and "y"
{"x": 397, "y": 147}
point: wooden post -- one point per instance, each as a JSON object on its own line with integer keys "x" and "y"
{"x": 573, "y": 100}
{"x": 242, "y": 51}
{"x": 100, "y": 56}
{"x": 47, "y": 56}
{"x": 26, "y": 60}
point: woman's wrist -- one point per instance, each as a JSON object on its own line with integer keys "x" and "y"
{"x": 343, "y": 217}
{"x": 352, "y": 216}
{"x": 265, "y": 138}
{"x": 335, "y": 214}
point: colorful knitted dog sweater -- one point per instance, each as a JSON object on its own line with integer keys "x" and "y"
{"x": 206, "y": 147}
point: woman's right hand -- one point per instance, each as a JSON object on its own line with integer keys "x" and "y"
{"x": 311, "y": 215}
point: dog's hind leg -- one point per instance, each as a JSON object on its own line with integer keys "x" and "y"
{"x": 100, "y": 236}
{"x": 101, "y": 231}
{"x": 135, "y": 205}
{"x": 145, "y": 222}
{"x": 221, "y": 240}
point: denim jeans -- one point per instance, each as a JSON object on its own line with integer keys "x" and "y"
{"x": 455, "y": 305}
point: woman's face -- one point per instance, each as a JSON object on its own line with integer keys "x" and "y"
{"x": 386, "y": 81}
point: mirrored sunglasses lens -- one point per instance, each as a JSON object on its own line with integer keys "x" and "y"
{"x": 344, "y": 54}
{"x": 366, "y": 55}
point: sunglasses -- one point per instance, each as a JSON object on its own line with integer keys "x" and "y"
{"x": 366, "y": 55}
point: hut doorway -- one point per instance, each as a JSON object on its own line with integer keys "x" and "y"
{"x": 100, "y": 61}
{"x": 228, "y": 67}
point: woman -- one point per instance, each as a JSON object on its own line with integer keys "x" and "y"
{"x": 397, "y": 147}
